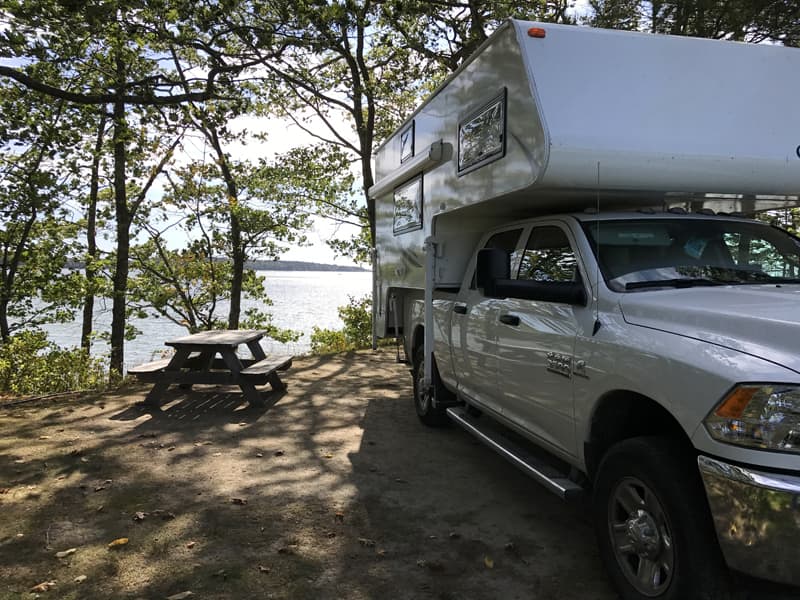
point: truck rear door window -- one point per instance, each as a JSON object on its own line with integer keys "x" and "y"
{"x": 505, "y": 240}
{"x": 548, "y": 256}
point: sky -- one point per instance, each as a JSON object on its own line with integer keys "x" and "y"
{"x": 282, "y": 136}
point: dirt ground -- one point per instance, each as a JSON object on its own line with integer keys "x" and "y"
{"x": 333, "y": 490}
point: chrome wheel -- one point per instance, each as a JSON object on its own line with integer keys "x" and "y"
{"x": 422, "y": 394}
{"x": 641, "y": 537}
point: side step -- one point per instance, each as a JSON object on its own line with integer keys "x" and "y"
{"x": 549, "y": 477}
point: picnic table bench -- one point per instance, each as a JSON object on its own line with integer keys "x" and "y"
{"x": 210, "y": 357}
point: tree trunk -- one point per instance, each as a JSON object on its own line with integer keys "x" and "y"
{"x": 238, "y": 254}
{"x": 123, "y": 219}
{"x": 91, "y": 239}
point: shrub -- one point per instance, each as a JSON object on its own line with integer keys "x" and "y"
{"x": 31, "y": 364}
{"x": 356, "y": 333}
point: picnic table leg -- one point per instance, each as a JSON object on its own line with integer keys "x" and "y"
{"x": 256, "y": 350}
{"x": 249, "y": 391}
{"x": 203, "y": 364}
{"x": 275, "y": 381}
{"x": 154, "y": 396}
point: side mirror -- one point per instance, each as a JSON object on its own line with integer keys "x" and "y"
{"x": 493, "y": 264}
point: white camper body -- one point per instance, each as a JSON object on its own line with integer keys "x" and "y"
{"x": 578, "y": 118}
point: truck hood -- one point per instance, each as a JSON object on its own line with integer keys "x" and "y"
{"x": 760, "y": 320}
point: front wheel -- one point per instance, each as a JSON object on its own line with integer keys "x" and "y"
{"x": 431, "y": 413}
{"x": 653, "y": 524}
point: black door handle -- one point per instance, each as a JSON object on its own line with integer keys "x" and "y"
{"x": 512, "y": 320}
{"x": 460, "y": 309}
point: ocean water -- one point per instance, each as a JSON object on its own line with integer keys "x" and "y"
{"x": 301, "y": 300}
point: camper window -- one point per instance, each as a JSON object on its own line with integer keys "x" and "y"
{"x": 482, "y": 135}
{"x": 408, "y": 206}
{"x": 407, "y": 143}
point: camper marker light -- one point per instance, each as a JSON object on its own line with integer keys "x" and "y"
{"x": 765, "y": 416}
{"x": 537, "y": 32}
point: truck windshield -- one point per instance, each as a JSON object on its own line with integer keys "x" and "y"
{"x": 683, "y": 252}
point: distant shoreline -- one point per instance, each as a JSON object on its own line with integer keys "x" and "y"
{"x": 297, "y": 265}
{"x": 271, "y": 265}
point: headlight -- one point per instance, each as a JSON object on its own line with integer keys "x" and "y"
{"x": 758, "y": 416}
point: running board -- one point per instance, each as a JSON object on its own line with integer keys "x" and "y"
{"x": 558, "y": 483}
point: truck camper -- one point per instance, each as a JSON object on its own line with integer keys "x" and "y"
{"x": 561, "y": 247}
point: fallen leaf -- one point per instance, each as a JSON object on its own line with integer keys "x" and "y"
{"x": 84, "y": 459}
{"x": 208, "y": 443}
{"x": 181, "y": 596}
{"x": 381, "y": 552}
{"x": 43, "y": 587}
{"x": 100, "y": 508}
{"x": 65, "y": 553}
{"x": 61, "y": 477}
{"x": 328, "y": 455}
{"x": 239, "y": 501}
{"x": 259, "y": 455}
{"x": 278, "y": 453}
{"x": 264, "y": 569}
{"x": 44, "y": 437}
{"x": 366, "y": 542}
{"x": 191, "y": 545}
{"x": 139, "y": 516}
{"x": 118, "y": 542}
{"x": 19, "y": 461}
{"x": 488, "y": 562}
{"x": 171, "y": 448}
{"x": 242, "y": 424}
{"x": 99, "y": 488}
{"x": 80, "y": 579}
{"x": 217, "y": 454}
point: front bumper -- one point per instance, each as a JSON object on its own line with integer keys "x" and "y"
{"x": 757, "y": 517}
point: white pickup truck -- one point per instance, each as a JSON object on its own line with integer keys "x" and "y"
{"x": 560, "y": 248}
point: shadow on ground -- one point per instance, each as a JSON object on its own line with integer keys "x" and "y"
{"x": 331, "y": 490}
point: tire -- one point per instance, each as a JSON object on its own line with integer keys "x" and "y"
{"x": 430, "y": 415}
{"x": 653, "y": 525}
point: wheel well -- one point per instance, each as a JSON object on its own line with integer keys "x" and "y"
{"x": 623, "y": 415}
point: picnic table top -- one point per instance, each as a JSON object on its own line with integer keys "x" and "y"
{"x": 218, "y": 337}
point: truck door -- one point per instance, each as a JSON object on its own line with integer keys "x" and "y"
{"x": 473, "y": 332}
{"x": 536, "y": 342}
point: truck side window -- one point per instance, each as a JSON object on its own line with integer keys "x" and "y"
{"x": 505, "y": 240}
{"x": 548, "y": 256}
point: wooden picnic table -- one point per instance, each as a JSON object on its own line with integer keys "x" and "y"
{"x": 195, "y": 361}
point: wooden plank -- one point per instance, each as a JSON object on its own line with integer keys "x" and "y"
{"x": 157, "y": 366}
{"x": 220, "y": 337}
{"x": 151, "y": 367}
{"x": 268, "y": 365}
